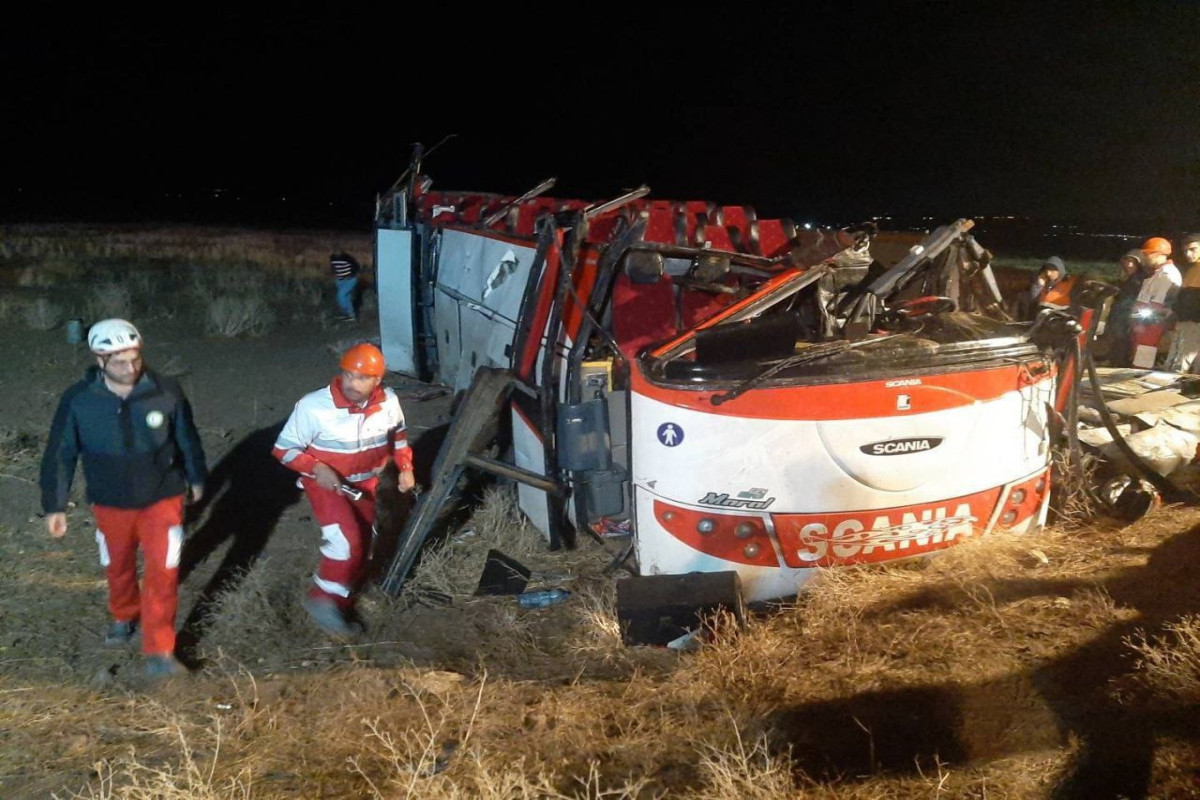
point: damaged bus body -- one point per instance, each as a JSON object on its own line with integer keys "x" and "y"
{"x": 734, "y": 393}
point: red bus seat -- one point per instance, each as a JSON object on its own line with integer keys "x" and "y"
{"x": 643, "y": 304}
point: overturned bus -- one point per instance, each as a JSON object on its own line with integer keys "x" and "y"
{"x": 732, "y": 393}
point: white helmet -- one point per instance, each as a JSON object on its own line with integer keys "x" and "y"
{"x": 112, "y": 336}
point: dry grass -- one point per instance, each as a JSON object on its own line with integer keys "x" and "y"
{"x": 1169, "y": 664}
{"x": 975, "y": 673}
{"x": 129, "y": 779}
{"x": 237, "y": 283}
{"x": 55, "y": 251}
{"x": 540, "y": 710}
{"x": 260, "y": 615}
{"x": 238, "y": 315}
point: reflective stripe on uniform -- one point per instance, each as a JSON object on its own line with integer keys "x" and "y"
{"x": 104, "y": 559}
{"x": 174, "y": 545}
{"x": 333, "y": 543}
{"x": 329, "y": 587}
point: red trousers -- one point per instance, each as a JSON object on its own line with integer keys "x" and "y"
{"x": 346, "y": 530}
{"x": 157, "y": 530}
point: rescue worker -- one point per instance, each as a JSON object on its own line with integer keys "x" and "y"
{"x": 340, "y": 439}
{"x": 133, "y": 430}
{"x": 1152, "y": 309}
{"x": 1052, "y": 286}
{"x": 1045, "y": 289}
{"x": 1185, "y": 344}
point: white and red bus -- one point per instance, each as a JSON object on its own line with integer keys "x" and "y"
{"x": 733, "y": 393}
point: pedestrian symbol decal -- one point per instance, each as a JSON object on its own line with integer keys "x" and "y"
{"x": 670, "y": 434}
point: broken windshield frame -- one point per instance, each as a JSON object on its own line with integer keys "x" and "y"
{"x": 955, "y": 339}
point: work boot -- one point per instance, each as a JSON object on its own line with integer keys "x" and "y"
{"x": 120, "y": 633}
{"x": 162, "y": 665}
{"x": 330, "y": 618}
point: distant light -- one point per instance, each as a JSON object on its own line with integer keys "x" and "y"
{"x": 808, "y": 226}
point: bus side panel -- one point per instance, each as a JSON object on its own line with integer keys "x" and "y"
{"x": 393, "y": 259}
{"x": 485, "y": 279}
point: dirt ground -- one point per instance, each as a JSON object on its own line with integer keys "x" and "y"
{"x": 1008, "y": 673}
{"x": 254, "y": 527}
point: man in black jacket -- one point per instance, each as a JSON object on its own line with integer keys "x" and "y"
{"x": 141, "y": 453}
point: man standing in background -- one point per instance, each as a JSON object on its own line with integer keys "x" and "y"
{"x": 1186, "y": 342}
{"x": 340, "y": 439}
{"x": 345, "y": 276}
{"x": 1152, "y": 309}
{"x": 1120, "y": 314}
{"x": 133, "y": 430}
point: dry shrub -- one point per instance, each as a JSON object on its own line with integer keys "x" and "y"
{"x": 259, "y": 614}
{"x": 233, "y": 315}
{"x": 752, "y": 772}
{"x": 43, "y": 314}
{"x": 436, "y": 760}
{"x": 239, "y": 281}
{"x": 1073, "y": 502}
{"x": 127, "y": 778}
{"x": 493, "y": 632}
{"x": 453, "y": 567}
{"x": 145, "y": 283}
{"x": 966, "y": 616}
{"x": 595, "y": 606}
{"x": 298, "y": 292}
{"x": 1169, "y": 665}
{"x": 109, "y": 300}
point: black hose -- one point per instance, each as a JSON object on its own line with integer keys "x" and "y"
{"x": 1170, "y": 491}
{"x": 1073, "y": 423}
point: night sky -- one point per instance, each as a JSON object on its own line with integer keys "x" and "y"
{"x": 1087, "y": 111}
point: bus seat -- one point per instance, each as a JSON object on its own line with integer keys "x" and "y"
{"x": 643, "y": 303}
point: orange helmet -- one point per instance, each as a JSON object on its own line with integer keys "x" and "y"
{"x": 1157, "y": 244}
{"x": 364, "y": 358}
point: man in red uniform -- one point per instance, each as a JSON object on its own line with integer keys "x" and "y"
{"x": 340, "y": 439}
{"x": 133, "y": 430}
{"x": 1152, "y": 316}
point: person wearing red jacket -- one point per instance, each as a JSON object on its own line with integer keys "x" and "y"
{"x": 340, "y": 439}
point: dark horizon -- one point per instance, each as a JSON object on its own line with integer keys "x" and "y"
{"x": 1011, "y": 236}
{"x": 308, "y": 208}
{"x": 1075, "y": 113}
